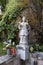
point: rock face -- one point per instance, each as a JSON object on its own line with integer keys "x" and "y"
{"x": 34, "y": 14}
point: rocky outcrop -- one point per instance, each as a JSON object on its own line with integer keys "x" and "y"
{"x": 34, "y": 14}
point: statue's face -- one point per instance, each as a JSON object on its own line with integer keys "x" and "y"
{"x": 24, "y": 19}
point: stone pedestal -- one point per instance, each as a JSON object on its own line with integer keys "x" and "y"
{"x": 23, "y": 51}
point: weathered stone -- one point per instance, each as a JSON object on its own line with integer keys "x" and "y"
{"x": 9, "y": 60}
{"x": 40, "y": 62}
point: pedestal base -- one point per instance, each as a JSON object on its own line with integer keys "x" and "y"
{"x": 23, "y": 50}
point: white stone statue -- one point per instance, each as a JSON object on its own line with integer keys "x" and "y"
{"x": 24, "y": 30}
{"x": 23, "y": 47}
{"x": 0, "y": 10}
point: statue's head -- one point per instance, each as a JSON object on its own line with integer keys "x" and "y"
{"x": 24, "y": 19}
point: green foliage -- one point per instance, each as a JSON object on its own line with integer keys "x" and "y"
{"x": 3, "y": 3}
{"x": 1, "y": 49}
{"x": 41, "y": 48}
{"x": 12, "y": 10}
{"x": 37, "y": 47}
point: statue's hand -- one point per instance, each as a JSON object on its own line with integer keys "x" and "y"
{"x": 19, "y": 23}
